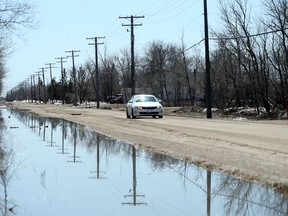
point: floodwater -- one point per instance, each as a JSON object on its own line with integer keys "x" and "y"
{"x": 56, "y": 167}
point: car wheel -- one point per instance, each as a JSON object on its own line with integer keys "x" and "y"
{"x": 160, "y": 116}
{"x": 132, "y": 113}
{"x": 127, "y": 115}
{"x": 154, "y": 116}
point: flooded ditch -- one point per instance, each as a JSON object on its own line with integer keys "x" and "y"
{"x": 56, "y": 167}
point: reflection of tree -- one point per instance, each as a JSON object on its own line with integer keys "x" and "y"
{"x": 6, "y": 173}
{"x": 107, "y": 145}
{"x": 241, "y": 197}
{"x": 244, "y": 197}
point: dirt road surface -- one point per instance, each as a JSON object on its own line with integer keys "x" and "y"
{"x": 253, "y": 150}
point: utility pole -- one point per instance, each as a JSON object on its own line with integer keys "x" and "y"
{"x": 207, "y": 64}
{"x": 96, "y": 65}
{"x": 52, "y": 92}
{"x": 31, "y": 87}
{"x": 38, "y": 73}
{"x": 44, "y": 87}
{"x": 31, "y": 83}
{"x": 132, "y": 24}
{"x": 62, "y": 77}
{"x": 74, "y": 75}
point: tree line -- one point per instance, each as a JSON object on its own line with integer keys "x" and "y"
{"x": 249, "y": 61}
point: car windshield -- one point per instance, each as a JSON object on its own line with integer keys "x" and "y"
{"x": 145, "y": 99}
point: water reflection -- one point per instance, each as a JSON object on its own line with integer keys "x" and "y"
{"x": 6, "y": 170}
{"x": 65, "y": 168}
{"x": 134, "y": 194}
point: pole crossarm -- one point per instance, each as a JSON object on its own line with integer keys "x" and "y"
{"x": 72, "y": 53}
{"x": 61, "y": 59}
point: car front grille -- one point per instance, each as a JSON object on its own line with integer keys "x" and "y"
{"x": 148, "y": 113}
{"x": 149, "y": 108}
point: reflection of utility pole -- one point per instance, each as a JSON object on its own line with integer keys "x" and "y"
{"x": 98, "y": 159}
{"x": 39, "y": 127}
{"x": 74, "y": 150}
{"x": 51, "y": 136}
{"x": 96, "y": 65}
{"x": 44, "y": 129}
{"x": 134, "y": 195}
{"x": 32, "y": 126}
{"x": 63, "y": 138}
{"x": 74, "y": 75}
{"x": 132, "y": 48}
{"x": 208, "y": 192}
{"x": 62, "y": 78}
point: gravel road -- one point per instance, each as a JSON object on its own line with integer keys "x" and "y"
{"x": 252, "y": 150}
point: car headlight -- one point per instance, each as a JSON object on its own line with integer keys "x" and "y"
{"x": 139, "y": 107}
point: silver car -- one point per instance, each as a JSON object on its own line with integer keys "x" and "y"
{"x": 144, "y": 105}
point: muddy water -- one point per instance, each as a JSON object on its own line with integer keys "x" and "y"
{"x": 56, "y": 167}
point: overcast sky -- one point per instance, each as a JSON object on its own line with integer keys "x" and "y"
{"x": 64, "y": 25}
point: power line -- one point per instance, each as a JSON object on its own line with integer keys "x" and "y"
{"x": 238, "y": 37}
{"x": 193, "y": 46}
{"x": 249, "y": 36}
{"x": 169, "y": 12}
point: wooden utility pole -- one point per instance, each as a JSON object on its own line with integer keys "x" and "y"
{"x": 44, "y": 87}
{"x": 74, "y": 75}
{"x": 52, "y": 90}
{"x": 39, "y": 84}
{"x": 96, "y": 65}
{"x": 132, "y": 24}
{"x": 207, "y": 64}
{"x": 62, "y": 78}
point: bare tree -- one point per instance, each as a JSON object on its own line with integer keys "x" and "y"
{"x": 123, "y": 62}
{"x": 238, "y": 28}
{"x": 14, "y": 15}
{"x": 83, "y": 79}
{"x": 276, "y": 12}
{"x": 154, "y": 63}
{"x": 109, "y": 77}
{"x": 90, "y": 68}
{"x": 187, "y": 72}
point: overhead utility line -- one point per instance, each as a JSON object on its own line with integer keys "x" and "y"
{"x": 249, "y": 36}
